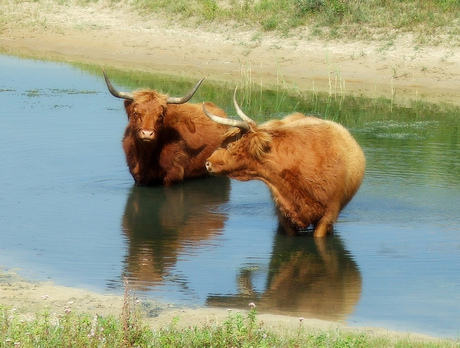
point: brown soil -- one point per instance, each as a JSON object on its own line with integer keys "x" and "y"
{"x": 113, "y": 35}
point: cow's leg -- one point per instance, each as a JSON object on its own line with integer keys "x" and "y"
{"x": 285, "y": 225}
{"x": 322, "y": 229}
{"x": 325, "y": 225}
{"x": 173, "y": 162}
{"x": 175, "y": 174}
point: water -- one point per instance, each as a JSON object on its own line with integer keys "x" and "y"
{"x": 69, "y": 211}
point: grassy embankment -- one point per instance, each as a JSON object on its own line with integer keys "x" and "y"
{"x": 239, "y": 330}
{"x": 430, "y": 21}
{"x": 426, "y": 22}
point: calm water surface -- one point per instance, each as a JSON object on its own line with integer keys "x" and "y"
{"x": 69, "y": 213}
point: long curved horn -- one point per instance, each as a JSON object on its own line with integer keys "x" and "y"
{"x": 226, "y": 121}
{"x": 185, "y": 98}
{"x": 240, "y": 112}
{"x": 114, "y": 92}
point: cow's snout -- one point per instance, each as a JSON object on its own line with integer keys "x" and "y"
{"x": 147, "y": 135}
{"x": 208, "y": 166}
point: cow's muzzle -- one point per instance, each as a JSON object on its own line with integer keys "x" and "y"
{"x": 208, "y": 166}
{"x": 147, "y": 135}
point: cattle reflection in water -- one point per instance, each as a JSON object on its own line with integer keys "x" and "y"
{"x": 160, "y": 222}
{"x": 311, "y": 277}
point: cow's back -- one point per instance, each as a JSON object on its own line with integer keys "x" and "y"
{"x": 327, "y": 160}
{"x": 351, "y": 158}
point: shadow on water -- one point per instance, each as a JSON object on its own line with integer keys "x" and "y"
{"x": 306, "y": 277}
{"x": 69, "y": 211}
{"x": 161, "y": 222}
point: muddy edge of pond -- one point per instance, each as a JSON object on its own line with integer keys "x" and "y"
{"x": 396, "y": 68}
{"x": 29, "y": 298}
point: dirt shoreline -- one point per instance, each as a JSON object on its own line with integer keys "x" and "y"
{"x": 112, "y": 35}
{"x": 28, "y": 299}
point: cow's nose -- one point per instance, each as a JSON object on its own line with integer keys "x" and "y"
{"x": 146, "y": 134}
{"x": 208, "y": 166}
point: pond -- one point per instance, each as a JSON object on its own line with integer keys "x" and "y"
{"x": 69, "y": 211}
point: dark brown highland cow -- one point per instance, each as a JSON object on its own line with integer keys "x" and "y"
{"x": 167, "y": 139}
{"x": 313, "y": 167}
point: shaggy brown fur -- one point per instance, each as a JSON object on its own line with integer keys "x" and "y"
{"x": 313, "y": 167}
{"x": 167, "y": 143}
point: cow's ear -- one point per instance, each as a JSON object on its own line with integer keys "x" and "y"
{"x": 128, "y": 103}
{"x": 259, "y": 144}
{"x": 128, "y": 107}
{"x": 190, "y": 125}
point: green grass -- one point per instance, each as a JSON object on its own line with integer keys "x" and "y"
{"x": 430, "y": 20}
{"x": 238, "y": 330}
{"x": 265, "y": 103}
{"x": 130, "y": 329}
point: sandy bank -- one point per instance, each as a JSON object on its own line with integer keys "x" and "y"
{"x": 112, "y": 35}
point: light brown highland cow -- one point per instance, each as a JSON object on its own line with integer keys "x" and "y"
{"x": 313, "y": 167}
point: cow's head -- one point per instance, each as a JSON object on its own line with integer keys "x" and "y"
{"x": 242, "y": 147}
{"x": 146, "y": 109}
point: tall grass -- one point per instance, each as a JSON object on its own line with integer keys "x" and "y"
{"x": 265, "y": 103}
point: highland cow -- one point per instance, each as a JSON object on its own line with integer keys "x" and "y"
{"x": 312, "y": 166}
{"x": 167, "y": 140}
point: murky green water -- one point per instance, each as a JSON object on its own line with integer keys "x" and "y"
{"x": 69, "y": 211}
